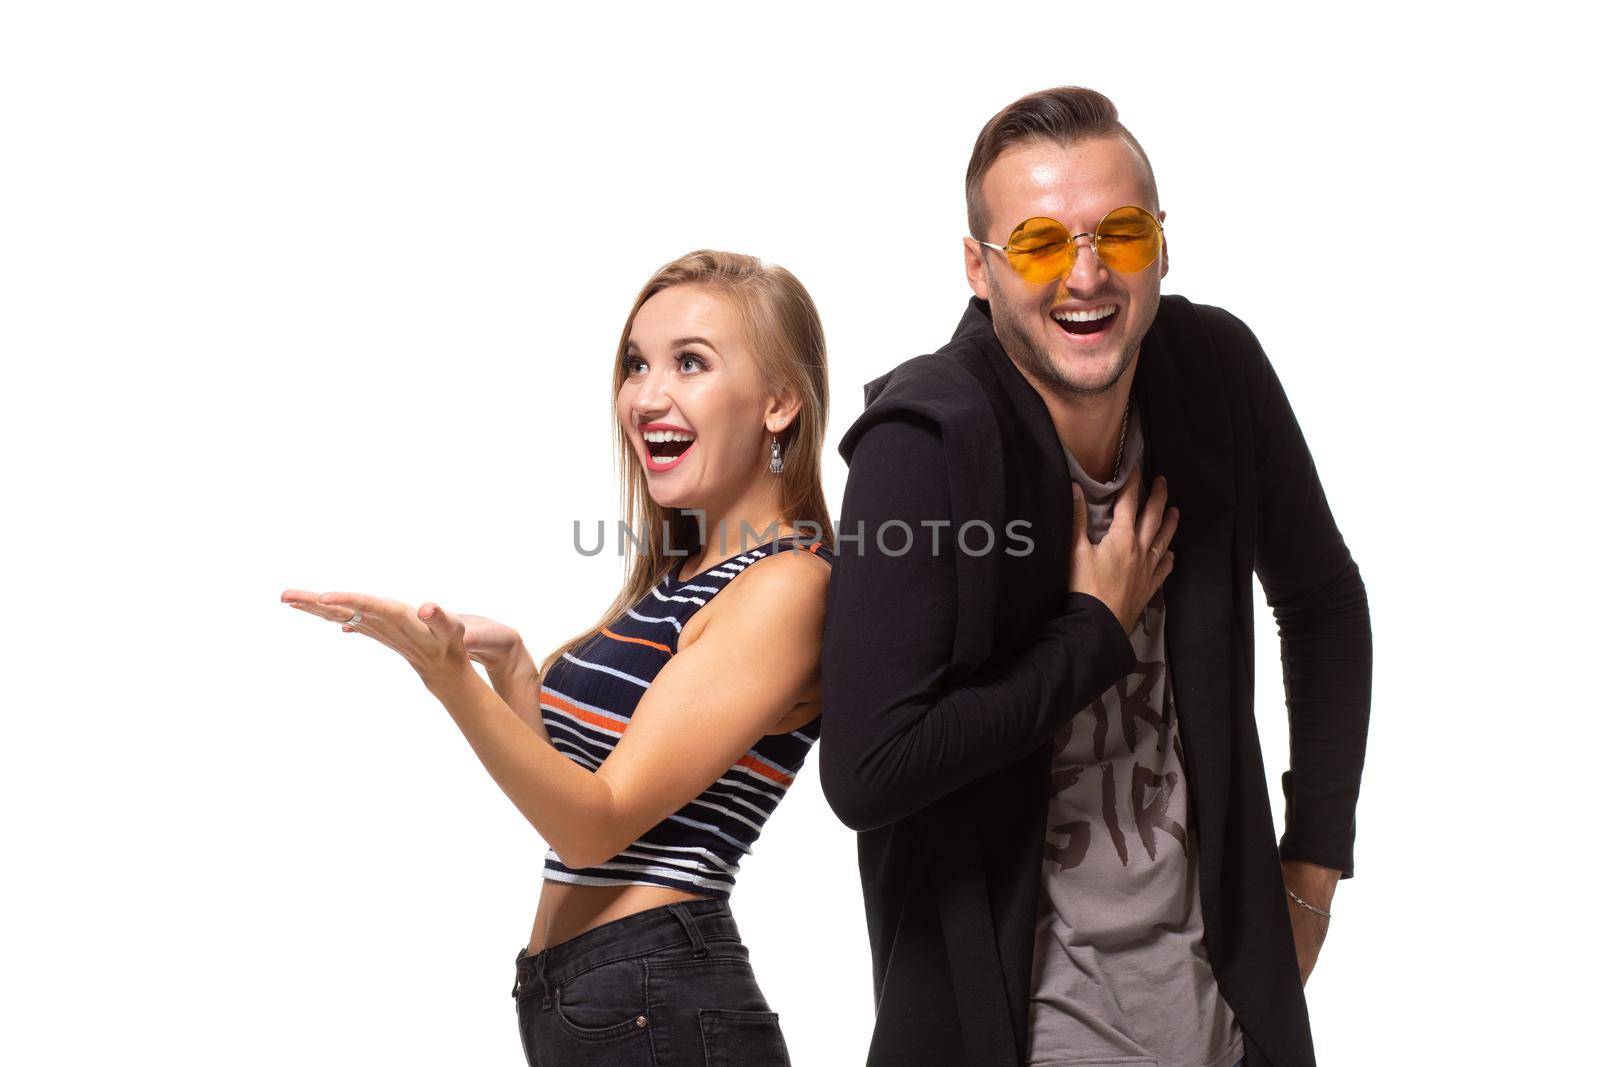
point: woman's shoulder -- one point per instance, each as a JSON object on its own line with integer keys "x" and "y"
{"x": 788, "y": 577}
{"x": 782, "y": 595}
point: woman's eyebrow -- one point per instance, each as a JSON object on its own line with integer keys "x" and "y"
{"x": 633, "y": 346}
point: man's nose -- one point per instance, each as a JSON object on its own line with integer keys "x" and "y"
{"x": 1087, "y": 271}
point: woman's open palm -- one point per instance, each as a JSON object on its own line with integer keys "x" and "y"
{"x": 429, "y": 638}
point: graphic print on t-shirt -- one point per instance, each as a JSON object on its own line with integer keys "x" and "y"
{"x": 1137, "y": 702}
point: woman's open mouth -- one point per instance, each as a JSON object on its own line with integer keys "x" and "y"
{"x": 665, "y": 449}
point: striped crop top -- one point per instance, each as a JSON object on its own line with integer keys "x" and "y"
{"x": 589, "y": 695}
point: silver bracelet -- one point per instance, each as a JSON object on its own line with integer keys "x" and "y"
{"x": 1309, "y": 907}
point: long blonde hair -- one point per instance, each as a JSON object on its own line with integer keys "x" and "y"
{"x": 783, "y": 330}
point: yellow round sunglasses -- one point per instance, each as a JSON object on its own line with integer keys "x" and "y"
{"x": 1040, "y": 249}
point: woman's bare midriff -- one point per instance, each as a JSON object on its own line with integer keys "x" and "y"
{"x": 565, "y": 910}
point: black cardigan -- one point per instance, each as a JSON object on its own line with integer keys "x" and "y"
{"x": 946, "y": 671}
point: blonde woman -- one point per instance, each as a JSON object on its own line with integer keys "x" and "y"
{"x": 648, "y": 751}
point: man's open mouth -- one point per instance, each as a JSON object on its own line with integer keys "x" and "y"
{"x": 1086, "y": 320}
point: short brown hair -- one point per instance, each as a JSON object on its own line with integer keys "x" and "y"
{"x": 1065, "y": 114}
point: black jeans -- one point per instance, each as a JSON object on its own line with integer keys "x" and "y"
{"x": 662, "y": 987}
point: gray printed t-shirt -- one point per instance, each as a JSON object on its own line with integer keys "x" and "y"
{"x": 1120, "y": 973}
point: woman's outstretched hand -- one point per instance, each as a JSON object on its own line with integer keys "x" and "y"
{"x": 431, "y": 639}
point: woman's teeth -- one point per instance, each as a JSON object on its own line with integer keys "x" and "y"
{"x": 667, "y": 444}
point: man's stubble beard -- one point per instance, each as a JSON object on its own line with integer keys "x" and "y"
{"x": 1037, "y": 363}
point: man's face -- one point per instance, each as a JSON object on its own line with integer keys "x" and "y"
{"x": 1075, "y": 185}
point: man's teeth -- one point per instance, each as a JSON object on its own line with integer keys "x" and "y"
{"x": 657, "y": 437}
{"x": 1084, "y": 316}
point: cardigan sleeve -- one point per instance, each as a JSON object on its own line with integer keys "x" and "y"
{"x": 1317, "y": 596}
{"x": 898, "y": 732}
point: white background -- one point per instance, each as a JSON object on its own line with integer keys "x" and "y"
{"x": 327, "y": 295}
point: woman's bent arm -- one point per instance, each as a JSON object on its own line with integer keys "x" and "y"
{"x": 562, "y": 800}
{"x": 706, "y": 707}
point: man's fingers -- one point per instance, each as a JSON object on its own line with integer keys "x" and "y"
{"x": 1155, "y": 506}
{"x": 1127, "y": 501}
{"x": 1080, "y": 513}
{"x": 1168, "y": 530}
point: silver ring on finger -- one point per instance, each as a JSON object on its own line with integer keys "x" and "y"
{"x": 352, "y": 620}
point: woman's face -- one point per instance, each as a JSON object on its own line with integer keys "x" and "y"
{"x": 692, "y": 400}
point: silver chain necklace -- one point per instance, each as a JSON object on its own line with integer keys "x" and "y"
{"x": 1122, "y": 440}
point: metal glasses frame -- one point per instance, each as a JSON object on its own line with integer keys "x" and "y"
{"x": 1093, "y": 235}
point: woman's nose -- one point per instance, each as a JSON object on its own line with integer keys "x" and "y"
{"x": 650, "y": 394}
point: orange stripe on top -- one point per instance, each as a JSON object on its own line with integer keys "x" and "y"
{"x": 582, "y": 714}
{"x": 636, "y": 641}
{"x": 613, "y": 726}
{"x": 765, "y": 771}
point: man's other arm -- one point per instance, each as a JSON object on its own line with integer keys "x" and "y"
{"x": 1325, "y": 632}
{"x": 898, "y": 732}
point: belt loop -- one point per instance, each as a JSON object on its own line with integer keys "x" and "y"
{"x": 681, "y": 913}
{"x": 516, "y": 983}
{"x": 538, "y": 970}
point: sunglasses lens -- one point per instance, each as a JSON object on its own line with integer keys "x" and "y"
{"x": 1128, "y": 240}
{"x": 1040, "y": 250}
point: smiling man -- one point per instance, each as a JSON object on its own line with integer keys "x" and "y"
{"x": 1050, "y": 753}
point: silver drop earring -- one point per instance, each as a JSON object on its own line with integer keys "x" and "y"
{"x": 775, "y": 464}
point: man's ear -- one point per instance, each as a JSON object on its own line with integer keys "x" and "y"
{"x": 972, "y": 254}
{"x": 1165, "y": 264}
